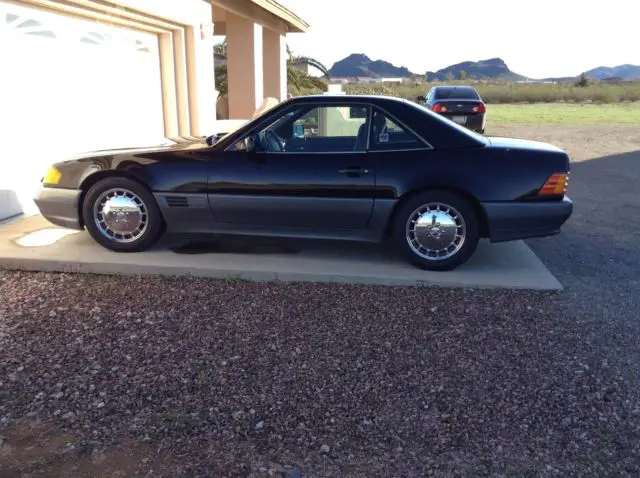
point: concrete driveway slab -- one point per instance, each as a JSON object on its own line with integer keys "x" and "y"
{"x": 32, "y": 243}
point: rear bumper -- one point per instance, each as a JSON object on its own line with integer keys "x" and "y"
{"x": 474, "y": 121}
{"x": 510, "y": 221}
{"x": 59, "y": 206}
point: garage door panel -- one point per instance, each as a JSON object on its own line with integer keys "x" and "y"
{"x": 71, "y": 85}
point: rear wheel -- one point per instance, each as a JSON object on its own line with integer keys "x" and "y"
{"x": 436, "y": 230}
{"x": 121, "y": 215}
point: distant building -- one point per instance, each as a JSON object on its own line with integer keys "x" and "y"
{"x": 393, "y": 80}
{"x": 549, "y": 82}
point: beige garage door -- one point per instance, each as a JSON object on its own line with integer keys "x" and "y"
{"x": 70, "y": 85}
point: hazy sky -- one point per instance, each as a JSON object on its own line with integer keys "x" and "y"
{"x": 537, "y": 38}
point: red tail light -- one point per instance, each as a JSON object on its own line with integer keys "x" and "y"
{"x": 479, "y": 108}
{"x": 438, "y": 108}
{"x": 556, "y": 185}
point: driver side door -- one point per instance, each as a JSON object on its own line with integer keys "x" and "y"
{"x": 307, "y": 172}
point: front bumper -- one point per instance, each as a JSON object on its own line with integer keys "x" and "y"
{"x": 60, "y": 206}
{"x": 510, "y": 221}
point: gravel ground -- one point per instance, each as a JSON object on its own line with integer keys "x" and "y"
{"x": 114, "y": 376}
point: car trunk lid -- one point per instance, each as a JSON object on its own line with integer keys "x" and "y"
{"x": 522, "y": 144}
{"x": 460, "y": 106}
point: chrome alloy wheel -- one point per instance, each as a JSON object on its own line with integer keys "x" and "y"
{"x": 436, "y": 231}
{"x": 121, "y": 215}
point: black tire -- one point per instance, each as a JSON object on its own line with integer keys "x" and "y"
{"x": 459, "y": 253}
{"x": 154, "y": 221}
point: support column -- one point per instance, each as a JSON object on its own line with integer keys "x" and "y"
{"x": 275, "y": 64}
{"x": 200, "y": 74}
{"x": 201, "y": 82}
{"x": 244, "y": 66}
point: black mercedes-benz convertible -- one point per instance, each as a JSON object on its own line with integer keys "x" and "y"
{"x": 344, "y": 167}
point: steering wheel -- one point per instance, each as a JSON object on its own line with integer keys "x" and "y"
{"x": 274, "y": 143}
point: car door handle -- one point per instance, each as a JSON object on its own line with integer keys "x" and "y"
{"x": 354, "y": 170}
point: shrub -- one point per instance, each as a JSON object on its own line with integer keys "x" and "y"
{"x": 583, "y": 81}
{"x": 509, "y": 92}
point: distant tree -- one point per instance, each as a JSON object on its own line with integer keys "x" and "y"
{"x": 450, "y": 76}
{"x": 583, "y": 81}
{"x": 462, "y": 75}
{"x": 221, "y": 79}
{"x": 220, "y": 49}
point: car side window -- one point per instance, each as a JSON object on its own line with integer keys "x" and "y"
{"x": 312, "y": 129}
{"x": 328, "y": 129}
{"x": 339, "y": 128}
{"x": 388, "y": 135}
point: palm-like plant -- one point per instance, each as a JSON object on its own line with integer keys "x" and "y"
{"x": 220, "y": 49}
{"x": 299, "y": 82}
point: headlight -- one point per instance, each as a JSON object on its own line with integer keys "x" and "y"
{"x": 52, "y": 176}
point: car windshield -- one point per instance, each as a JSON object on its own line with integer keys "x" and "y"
{"x": 456, "y": 92}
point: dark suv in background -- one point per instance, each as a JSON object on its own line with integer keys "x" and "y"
{"x": 461, "y": 104}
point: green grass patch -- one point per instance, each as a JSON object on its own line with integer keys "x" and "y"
{"x": 564, "y": 113}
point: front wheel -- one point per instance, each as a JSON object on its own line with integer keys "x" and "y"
{"x": 121, "y": 215}
{"x": 436, "y": 230}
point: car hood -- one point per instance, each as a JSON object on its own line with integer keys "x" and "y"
{"x": 513, "y": 143}
{"x": 190, "y": 145}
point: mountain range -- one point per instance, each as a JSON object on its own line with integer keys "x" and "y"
{"x": 359, "y": 64}
{"x": 624, "y": 72}
{"x": 491, "y": 69}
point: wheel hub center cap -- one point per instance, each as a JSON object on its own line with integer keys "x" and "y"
{"x": 436, "y": 230}
{"x": 121, "y": 214}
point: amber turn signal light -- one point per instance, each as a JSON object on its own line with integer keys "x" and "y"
{"x": 556, "y": 185}
{"x": 52, "y": 176}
